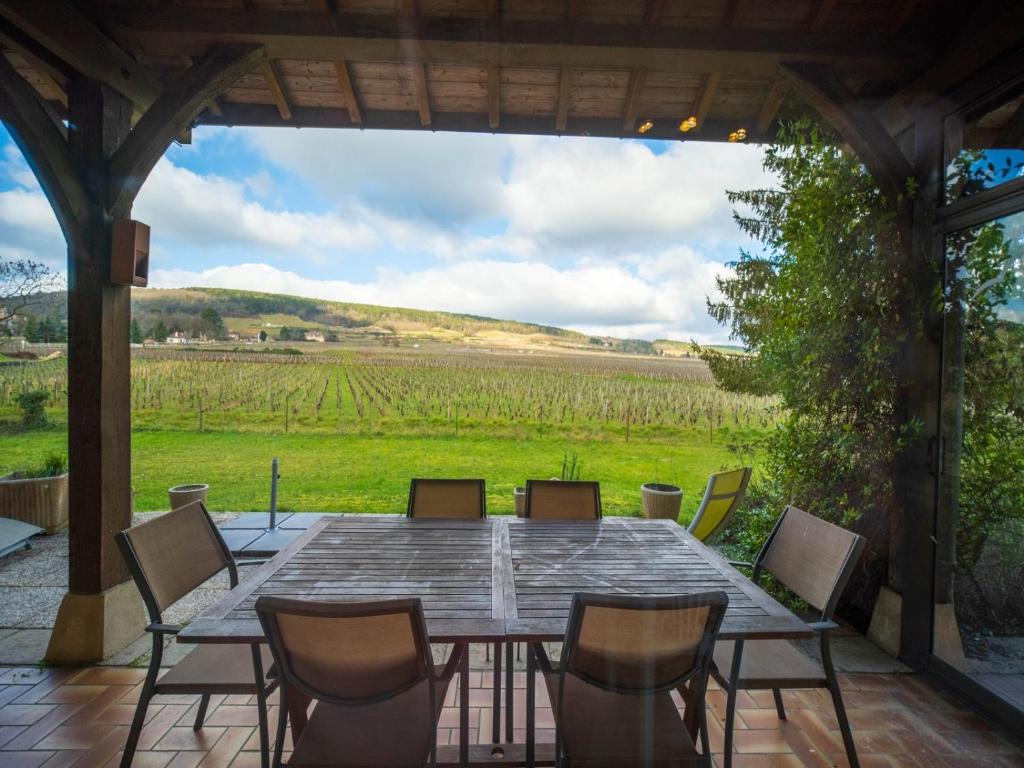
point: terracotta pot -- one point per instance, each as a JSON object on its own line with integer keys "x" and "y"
{"x": 185, "y": 494}
{"x": 519, "y": 492}
{"x": 661, "y": 501}
{"x": 40, "y": 501}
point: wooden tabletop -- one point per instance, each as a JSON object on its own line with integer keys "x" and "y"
{"x": 485, "y": 580}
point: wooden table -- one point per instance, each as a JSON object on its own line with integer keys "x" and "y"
{"x": 492, "y": 580}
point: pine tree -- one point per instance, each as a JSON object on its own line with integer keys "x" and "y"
{"x": 136, "y": 332}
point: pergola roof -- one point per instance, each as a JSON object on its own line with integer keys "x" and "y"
{"x": 581, "y": 67}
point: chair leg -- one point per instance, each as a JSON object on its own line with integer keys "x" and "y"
{"x": 779, "y": 706}
{"x": 261, "y": 705}
{"x": 730, "y": 707}
{"x": 509, "y": 689}
{"x": 844, "y": 724}
{"x": 282, "y": 725}
{"x": 148, "y": 689}
{"x": 204, "y": 702}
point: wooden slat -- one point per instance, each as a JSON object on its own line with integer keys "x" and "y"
{"x": 653, "y": 9}
{"x": 818, "y": 13}
{"x": 770, "y": 108}
{"x": 276, "y": 91}
{"x": 562, "y": 110}
{"x": 345, "y": 83}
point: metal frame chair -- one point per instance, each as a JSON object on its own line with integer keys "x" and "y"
{"x": 447, "y": 498}
{"x": 599, "y": 657}
{"x": 339, "y": 645}
{"x": 568, "y": 500}
{"x": 168, "y": 557}
{"x": 711, "y": 516}
{"x": 814, "y": 560}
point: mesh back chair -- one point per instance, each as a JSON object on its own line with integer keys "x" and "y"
{"x": 462, "y": 499}
{"x": 621, "y": 658}
{"x": 370, "y": 669}
{"x": 814, "y": 560}
{"x": 721, "y": 498}
{"x": 168, "y": 557}
{"x": 563, "y": 500}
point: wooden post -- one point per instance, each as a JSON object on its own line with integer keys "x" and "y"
{"x": 101, "y": 612}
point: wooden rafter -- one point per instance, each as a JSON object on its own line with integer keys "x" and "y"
{"x": 171, "y": 114}
{"x": 71, "y": 36}
{"x": 1011, "y": 135}
{"x": 899, "y": 15}
{"x": 574, "y": 9}
{"x": 419, "y": 79}
{"x": 637, "y": 78}
{"x": 214, "y": 107}
{"x": 276, "y": 91}
{"x": 562, "y": 110}
{"x": 840, "y": 108}
{"x": 702, "y": 105}
{"x": 818, "y": 14}
{"x": 348, "y": 91}
{"x": 493, "y": 96}
{"x": 735, "y": 10}
{"x": 45, "y": 150}
{"x": 770, "y": 107}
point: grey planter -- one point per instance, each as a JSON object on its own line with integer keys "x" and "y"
{"x": 661, "y": 501}
{"x": 181, "y": 495}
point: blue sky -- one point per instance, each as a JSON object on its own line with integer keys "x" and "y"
{"x": 613, "y": 237}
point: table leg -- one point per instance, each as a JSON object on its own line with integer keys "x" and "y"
{"x": 464, "y": 708}
{"x": 298, "y": 706}
{"x": 690, "y": 719}
{"x": 496, "y": 704}
{"x": 509, "y": 692}
{"x": 261, "y": 704}
{"x": 531, "y": 670}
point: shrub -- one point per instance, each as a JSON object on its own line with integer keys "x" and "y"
{"x": 33, "y": 415}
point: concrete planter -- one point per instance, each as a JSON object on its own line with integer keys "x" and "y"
{"x": 39, "y": 501}
{"x": 661, "y": 501}
{"x": 181, "y": 495}
{"x": 519, "y": 492}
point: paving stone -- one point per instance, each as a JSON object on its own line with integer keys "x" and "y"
{"x": 26, "y": 646}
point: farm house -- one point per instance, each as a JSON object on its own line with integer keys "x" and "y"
{"x": 95, "y": 92}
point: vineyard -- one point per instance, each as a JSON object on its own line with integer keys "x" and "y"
{"x": 399, "y": 391}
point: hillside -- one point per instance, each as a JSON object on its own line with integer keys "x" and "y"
{"x": 247, "y": 313}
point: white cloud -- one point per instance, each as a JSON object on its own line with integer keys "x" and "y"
{"x": 603, "y": 298}
{"x": 212, "y": 211}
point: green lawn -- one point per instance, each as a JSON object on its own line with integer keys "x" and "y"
{"x": 321, "y": 472}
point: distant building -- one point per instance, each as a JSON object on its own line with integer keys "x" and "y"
{"x": 178, "y": 338}
{"x": 314, "y": 336}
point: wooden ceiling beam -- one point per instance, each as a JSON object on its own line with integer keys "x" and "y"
{"x": 653, "y": 10}
{"x": 277, "y": 91}
{"x": 347, "y": 90}
{"x": 493, "y": 97}
{"x": 637, "y": 78}
{"x": 735, "y": 10}
{"x": 169, "y": 30}
{"x": 1011, "y": 134}
{"x": 171, "y": 114}
{"x": 818, "y": 14}
{"x": 70, "y": 35}
{"x": 562, "y": 111}
{"x": 574, "y": 9}
{"x": 855, "y": 124}
{"x": 419, "y": 75}
{"x": 770, "y": 107}
{"x": 899, "y": 15}
{"x": 238, "y": 113}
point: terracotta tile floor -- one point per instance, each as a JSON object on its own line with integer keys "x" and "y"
{"x": 64, "y": 717}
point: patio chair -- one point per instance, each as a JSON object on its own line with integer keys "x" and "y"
{"x": 814, "y": 560}
{"x": 370, "y": 670}
{"x": 622, "y": 657}
{"x": 721, "y": 498}
{"x": 463, "y": 499}
{"x": 563, "y": 500}
{"x": 168, "y": 557}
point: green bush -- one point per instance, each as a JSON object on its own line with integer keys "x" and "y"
{"x": 33, "y": 414}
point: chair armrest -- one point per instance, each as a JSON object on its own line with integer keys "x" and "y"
{"x": 164, "y": 629}
{"x": 822, "y": 626}
{"x": 741, "y": 564}
{"x": 251, "y": 561}
{"x": 542, "y": 658}
{"x": 452, "y": 664}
